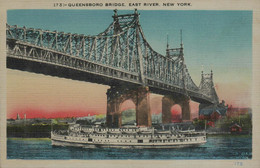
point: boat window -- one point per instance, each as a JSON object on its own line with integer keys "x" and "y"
{"x": 140, "y": 141}
{"x": 90, "y": 139}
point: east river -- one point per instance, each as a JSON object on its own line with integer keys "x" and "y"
{"x": 217, "y": 147}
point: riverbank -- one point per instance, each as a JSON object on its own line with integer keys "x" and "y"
{"x": 229, "y": 135}
{"x": 33, "y": 131}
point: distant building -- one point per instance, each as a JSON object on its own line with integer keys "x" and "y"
{"x": 235, "y": 128}
{"x": 18, "y": 117}
{"x": 89, "y": 118}
{"x": 213, "y": 112}
{"x": 216, "y": 115}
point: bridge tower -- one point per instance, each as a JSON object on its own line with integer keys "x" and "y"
{"x": 207, "y": 87}
{"x": 181, "y": 99}
{"x": 117, "y": 94}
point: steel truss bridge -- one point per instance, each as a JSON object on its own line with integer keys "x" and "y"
{"x": 120, "y": 55}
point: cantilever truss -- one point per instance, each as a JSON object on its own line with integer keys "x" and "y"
{"x": 121, "y": 46}
{"x": 207, "y": 86}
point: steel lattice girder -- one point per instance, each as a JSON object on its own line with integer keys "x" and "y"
{"x": 121, "y": 46}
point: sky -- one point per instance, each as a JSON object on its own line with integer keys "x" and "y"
{"x": 213, "y": 40}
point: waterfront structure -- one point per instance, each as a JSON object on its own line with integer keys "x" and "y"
{"x": 18, "y": 117}
{"x": 213, "y": 111}
{"x": 235, "y": 128}
{"x": 119, "y": 57}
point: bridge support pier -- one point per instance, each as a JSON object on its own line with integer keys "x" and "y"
{"x": 168, "y": 101}
{"x": 139, "y": 95}
{"x": 143, "y": 112}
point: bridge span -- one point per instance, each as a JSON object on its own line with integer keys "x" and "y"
{"x": 119, "y": 57}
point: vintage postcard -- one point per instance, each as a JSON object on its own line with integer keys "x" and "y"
{"x": 129, "y": 83}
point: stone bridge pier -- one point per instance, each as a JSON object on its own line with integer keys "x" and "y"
{"x": 170, "y": 100}
{"x": 139, "y": 95}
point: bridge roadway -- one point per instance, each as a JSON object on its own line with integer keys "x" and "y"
{"x": 53, "y": 63}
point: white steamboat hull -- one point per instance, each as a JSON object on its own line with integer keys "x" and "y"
{"x": 58, "y": 140}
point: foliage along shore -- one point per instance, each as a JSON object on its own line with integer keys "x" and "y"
{"x": 33, "y": 131}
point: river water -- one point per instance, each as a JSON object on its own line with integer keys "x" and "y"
{"x": 217, "y": 147}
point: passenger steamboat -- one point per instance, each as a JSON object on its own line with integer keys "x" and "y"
{"x": 126, "y": 137}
